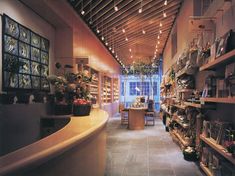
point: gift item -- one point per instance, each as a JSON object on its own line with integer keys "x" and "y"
{"x": 186, "y": 82}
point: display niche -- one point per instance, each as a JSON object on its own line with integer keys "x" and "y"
{"x": 25, "y": 58}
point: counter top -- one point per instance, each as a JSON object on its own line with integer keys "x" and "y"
{"x": 76, "y": 131}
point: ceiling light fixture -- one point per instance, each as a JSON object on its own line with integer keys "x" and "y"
{"x": 102, "y": 38}
{"x": 123, "y": 30}
{"x": 131, "y": 56}
{"x": 82, "y": 11}
{"x": 106, "y": 43}
{"x": 141, "y": 6}
{"x": 130, "y": 49}
{"x": 143, "y": 31}
{"x": 114, "y": 5}
{"x": 160, "y": 24}
{"x": 165, "y": 2}
{"x": 164, "y": 14}
{"x": 160, "y": 31}
{"x": 97, "y": 30}
{"x": 126, "y": 39}
{"x": 113, "y": 51}
{"x": 158, "y": 42}
{"x": 158, "y": 37}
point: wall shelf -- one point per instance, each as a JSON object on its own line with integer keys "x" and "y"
{"x": 185, "y": 90}
{"x": 199, "y": 105}
{"x": 206, "y": 170}
{"x": 177, "y": 120}
{"x": 179, "y": 106}
{"x": 181, "y": 140}
{"x": 220, "y": 149}
{"x": 219, "y": 100}
{"x": 218, "y": 62}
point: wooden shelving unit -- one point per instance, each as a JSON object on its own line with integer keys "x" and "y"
{"x": 177, "y": 120}
{"x": 115, "y": 89}
{"x": 220, "y": 61}
{"x": 106, "y": 91}
{"x": 94, "y": 85}
{"x": 206, "y": 170}
{"x": 220, "y": 149}
{"x": 180, "y": 139}
{"x": 219, "y": 100}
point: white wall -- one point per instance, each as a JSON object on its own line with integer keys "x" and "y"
{"x": 20, "y": 13}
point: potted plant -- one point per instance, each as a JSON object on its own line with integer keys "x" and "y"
{"x": 68, "y": 87}
{"x": 81, "y": 107}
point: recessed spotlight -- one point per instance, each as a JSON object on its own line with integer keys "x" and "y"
{"x": 116, "y": 8}
{"x": 158, "y": 42}
{"x": 98, "y": 31}
{"x": 140, "y": 10}
{"x": 123, "y": 30}
{"x": 165, "y": 3}
{"x": 82, "y": 12}
{"x": 106, "y": 43}
{"x": 160, "y": 31}
{"x": 160, "y": 24}
{"x": 102, "y": 38}
{"x": 143, "y": 31}
{"x": 156, "y": 46}
{"x": 158, "y": 37}
{"x": 164, "y": 14}
{"x": 126, "y": 39}
{"x": 110, "y": 48}
{"x": 112, "y": 51}
{"x": 130, "y": 49}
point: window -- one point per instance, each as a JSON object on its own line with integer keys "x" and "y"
{"x": 122, "y": 89}
{"x": 132, "y": 88}
{"x": 154, "y": 88}
{"x": 145, "y": 88}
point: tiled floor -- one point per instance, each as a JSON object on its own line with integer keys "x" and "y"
{"x": 148, "y": 152}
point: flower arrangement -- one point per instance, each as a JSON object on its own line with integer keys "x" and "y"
{"x": 68, "y": 86}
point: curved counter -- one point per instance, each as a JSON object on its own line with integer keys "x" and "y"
{"x": 76, "y": 149}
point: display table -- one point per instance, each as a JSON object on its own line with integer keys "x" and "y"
{"x": 136, "y": 118}
{"x": 77, "y": 149}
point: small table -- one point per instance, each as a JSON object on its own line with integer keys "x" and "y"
{"x": 136, "y": 118}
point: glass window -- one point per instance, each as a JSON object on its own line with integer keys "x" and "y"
{"x": 132, "y": 88}
{"x": 154, "y": 88}
{"x": 122, "y": 89}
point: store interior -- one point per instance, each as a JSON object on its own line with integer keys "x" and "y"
{"x": 117, "y": 87}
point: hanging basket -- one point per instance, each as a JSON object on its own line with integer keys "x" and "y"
{"x": 81, "y": 110}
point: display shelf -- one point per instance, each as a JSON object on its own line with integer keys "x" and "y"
{"x": 177, "y": 120}
{"x": 185, "y": 71}
{"x": 218, "y": 100}
{"x": 179, "y": 106}
{"x": 205, "y": 169}
{"x": 181, "y": 140}
{"x": 199, "y": 105}
{"x": 220, "y": 149}
{"x": 220, "y": 61}
{"x": 185, "y": 90}
{"x": 106, "y": 89}
{"x": 115, "y": 89}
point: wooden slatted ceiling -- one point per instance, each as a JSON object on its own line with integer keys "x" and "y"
{"x": 100, "y": 16}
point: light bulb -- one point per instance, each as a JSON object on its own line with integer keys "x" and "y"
{"x": 164, "y": 14}
{"x": 160, "y": 31}
{"x": 102, "y": 38}
{"x": 158, "y": 37}
{"x": 158, "y": 42}
{"x": 140, "y": 10}
{"x": 143, "y": 31}
{"x": 130, "y": 49}
{"x": 165, "y": 3}
{"x": 82, "y": 12}
{"x": 156, "y": 46}
{"x": 123, "y": 30}
{"x": 160, "y": 24}
{"x": 116, "y": 8}
{"x": 98, "y": 31}
{"x": 131, "y": 56}
{"x": 126, "y": 39}
{"x": 112, "y": 51}
{"x": 106, "y": 43}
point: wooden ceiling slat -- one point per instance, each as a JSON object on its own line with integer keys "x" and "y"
{"x": 100, "y": 14}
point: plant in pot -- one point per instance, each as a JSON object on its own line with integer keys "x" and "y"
{"x": 69, "y": 86}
